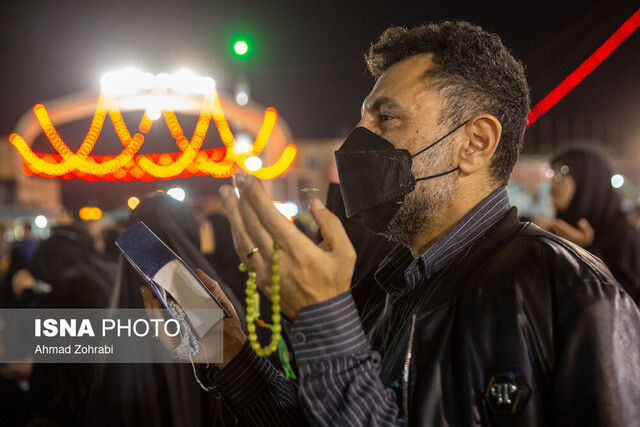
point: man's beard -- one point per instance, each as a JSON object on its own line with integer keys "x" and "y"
{"x": 420, "y": 207}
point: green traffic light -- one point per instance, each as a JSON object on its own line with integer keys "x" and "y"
{"x": 240, "y": 47}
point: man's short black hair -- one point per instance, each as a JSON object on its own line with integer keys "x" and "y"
{"x": 474, "y": 71}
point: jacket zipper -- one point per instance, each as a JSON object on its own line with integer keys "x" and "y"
{"x": 405, "y": 373}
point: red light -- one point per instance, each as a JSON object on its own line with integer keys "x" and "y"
{"x": 585, "y": 68}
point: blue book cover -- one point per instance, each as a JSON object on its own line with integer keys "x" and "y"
{"x": 170, "y": 278}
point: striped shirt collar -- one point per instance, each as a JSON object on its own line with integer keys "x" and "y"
{"x": 481, "y": 218}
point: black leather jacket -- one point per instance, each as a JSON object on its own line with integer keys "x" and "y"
{"x": 523, "y": 328}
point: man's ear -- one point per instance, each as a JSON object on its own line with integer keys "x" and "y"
{"x": 482, "y": 137}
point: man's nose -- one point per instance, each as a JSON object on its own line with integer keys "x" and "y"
{"x": 369, "y": 124}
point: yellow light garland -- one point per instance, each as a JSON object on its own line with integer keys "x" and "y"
{"x": 129, "y": 164}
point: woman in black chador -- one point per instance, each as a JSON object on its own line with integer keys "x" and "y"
{"x": 79, "y": 278}
{"x": 159, "y": 394}
{"x": 590, "y": 215}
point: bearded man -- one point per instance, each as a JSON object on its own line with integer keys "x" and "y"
{"x": 475, "y": 318}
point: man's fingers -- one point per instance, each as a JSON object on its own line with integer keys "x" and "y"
{"x": 334, "y": 236}
{"x": 217, "y": 292}
{"x": 241, "y": 239}
{"x": 256, "y": 231}
{"x": 279, "y": 227}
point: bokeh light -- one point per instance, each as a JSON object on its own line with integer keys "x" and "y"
{"x": 89, "y": 213}
{"x": 133, "y": 202}
{"x": 177, "y": 193}
{"x": 240, "y": 47}
{"x": 242, "y": 98}
{"x": 41, "y": 221}
{"x": 617, "y": 181}
{"x": 253, "y": 163}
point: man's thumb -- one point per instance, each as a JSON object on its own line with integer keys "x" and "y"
{"x": 330, "y": 227}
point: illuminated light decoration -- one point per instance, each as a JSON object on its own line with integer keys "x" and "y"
{"x": 279, "y": 167}
{"x": 126, "y": 81}
{"x": 90, "y": 213}
{"x": 190, "y": 149}
{"x": 585, "y": 68}
{"x": 131, "y": 171}
{"x": 243, "y": 145}
{"x": 153, "y": 113}
{"x": 240, "y": 47}
{"x": 242, "y": 98}
{"x": 128, "y": 165}
{"x": 175, "y": 129}
{"x": 146, "y": 122}
{"x": 242, "y": 93}
{"x": 253, "y": 163}
{"x": 177, "y": 193}
{"x": 41, "y": 221}
{"x": 270, "y": 117}
{"x": 73, "y": 162}
{"x": 133, "y": 202}
{"x": 617, "y": 181}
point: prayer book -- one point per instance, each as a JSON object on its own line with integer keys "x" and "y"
{"x": 177, "y": 287}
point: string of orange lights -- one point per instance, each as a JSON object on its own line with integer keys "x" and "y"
{"x": 128, "y": 165}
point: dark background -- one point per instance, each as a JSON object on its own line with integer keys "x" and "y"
{"x": 308, "y": 61}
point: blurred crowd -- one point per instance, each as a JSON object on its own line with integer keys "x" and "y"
{"x": 67, "y": 270}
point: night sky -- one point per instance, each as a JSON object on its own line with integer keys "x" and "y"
{"x": 308, "y": 55}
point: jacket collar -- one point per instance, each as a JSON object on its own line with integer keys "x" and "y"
{"x": 399, "y": 273}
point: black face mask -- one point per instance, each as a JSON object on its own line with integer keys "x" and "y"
{"x": 375, "y": 176}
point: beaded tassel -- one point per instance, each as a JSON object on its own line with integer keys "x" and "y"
{"x": 253, "y": 303}
{"x": 253, "y": 314}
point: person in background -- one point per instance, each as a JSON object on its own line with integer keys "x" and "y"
{"x": 18, "y": 261}
{"x": 28, "y": 245}
{"x": 589, "y": 214}
{"x": 634, "y": 217}
{"x": 74, "y": 275}
{"x": 109, "y": 237}
{"x": 158, "y": 394}
{"x": 5, "y": 248}
{"x": 217, "y": 247}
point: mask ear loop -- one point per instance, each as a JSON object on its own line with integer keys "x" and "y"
{"x": 440, "y": 174}
{"x": 440, "y": 140}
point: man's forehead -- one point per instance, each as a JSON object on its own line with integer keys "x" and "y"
{"x": 373, "y": 102}
{"x": 400, "y": 83}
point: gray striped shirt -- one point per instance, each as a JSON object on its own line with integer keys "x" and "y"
{"x": 339, "y": 374}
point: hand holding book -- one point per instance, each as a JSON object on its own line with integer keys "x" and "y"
{"x": 194, "y": 300}
{"x": 234, "y": 338}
